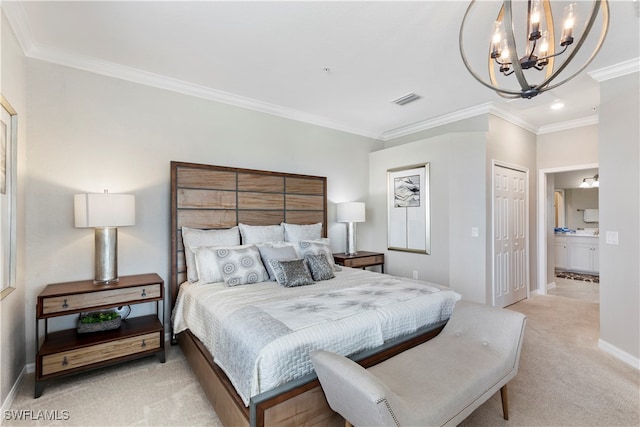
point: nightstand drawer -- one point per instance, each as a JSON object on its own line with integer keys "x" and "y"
{"x": 364, "y": 261}
{"x": 126, "y": 296}
{"x": 71, "y": 359}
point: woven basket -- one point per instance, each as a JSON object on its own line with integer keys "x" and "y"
{"x": 97, "y": 327}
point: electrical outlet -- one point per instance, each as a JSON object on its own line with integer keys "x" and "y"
{"x": 415, "y": 274}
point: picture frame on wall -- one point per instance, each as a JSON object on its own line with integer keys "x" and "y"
{"x": 408, "y": 209}
{"x": 8, "y": 177}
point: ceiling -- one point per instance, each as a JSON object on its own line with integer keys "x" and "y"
{"x": 335, "y": 64}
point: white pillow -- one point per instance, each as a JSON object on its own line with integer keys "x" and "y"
{"x": 252, "y": 234}
{"x": 194, "y": 237}
{"x": 297, "y": 232}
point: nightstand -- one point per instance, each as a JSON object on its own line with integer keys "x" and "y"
{"x": 360, "y": 260}
{"x": 68, "y": 352}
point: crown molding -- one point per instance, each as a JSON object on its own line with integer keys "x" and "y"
{"x": 616, "y": 70}
{"x": 16, "y": 16}
{"x": 571, "y": 124}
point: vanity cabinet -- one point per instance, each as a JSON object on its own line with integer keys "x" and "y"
{"x": 577, "y": 253}
{"x": 561, "y": 252}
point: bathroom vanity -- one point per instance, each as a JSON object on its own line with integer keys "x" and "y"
{"x": 577, "y": 252}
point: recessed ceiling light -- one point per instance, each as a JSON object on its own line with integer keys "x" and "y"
{"x": 557, "y": 105}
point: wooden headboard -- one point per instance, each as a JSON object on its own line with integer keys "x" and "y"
{"x": 216, "y": 197}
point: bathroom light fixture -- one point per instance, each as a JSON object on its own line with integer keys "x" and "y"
{"x": 351, "y": 212}
{"x": 593, "y": 182}
{"x": 539, "y": 43}
{"x": 104, "y": 212}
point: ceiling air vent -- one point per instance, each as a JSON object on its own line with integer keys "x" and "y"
{"x": 403, "y": 100}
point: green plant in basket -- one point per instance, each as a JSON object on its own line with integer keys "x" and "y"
{"x": 99, "y": 317}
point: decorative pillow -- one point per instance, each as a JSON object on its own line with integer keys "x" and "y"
{"x": 207, "y": 263}
{"x": 241, "y": 266}
{"x": 320, "y": 267}
{"x": 291, "y": 273}
{"x": 316, "y": 247}
{"x": 278, "y": 253}
{"x": 296, "y": 232}
{"x": 252, "y": 234}
{"x": 194, "y": 237}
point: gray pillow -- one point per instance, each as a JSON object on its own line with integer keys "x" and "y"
{"x": 282, "y": 253}
{"x": 252, "y": 234}
{"x": 292, "y": 273}
{"x": 319, "y": 266}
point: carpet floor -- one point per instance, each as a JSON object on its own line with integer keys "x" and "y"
{"x": 563, "y": 380}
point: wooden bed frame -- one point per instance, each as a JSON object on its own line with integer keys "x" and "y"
{"x": 216, "y": 197}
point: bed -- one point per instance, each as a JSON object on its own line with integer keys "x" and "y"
{"x": 270, "y": 382}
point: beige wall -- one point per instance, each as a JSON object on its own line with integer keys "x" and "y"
{"x": 12, "y": 318}
{"x": 563, "y": 150}
{"x": 620, "y": 212}
{"x": 456, "y": 162}
{"x": 89, "y": 132}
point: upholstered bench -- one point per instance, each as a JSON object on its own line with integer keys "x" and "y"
{"x": 438, "y": 383}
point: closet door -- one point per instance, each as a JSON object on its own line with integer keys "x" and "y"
{"x": 510, "y": 231}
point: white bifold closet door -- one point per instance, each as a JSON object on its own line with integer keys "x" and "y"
{"x": 511, "y": 254}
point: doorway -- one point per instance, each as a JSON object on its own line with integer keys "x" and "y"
{"x": 546, "y": 221}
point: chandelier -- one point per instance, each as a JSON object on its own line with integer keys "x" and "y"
{"x": 540, "y": 49}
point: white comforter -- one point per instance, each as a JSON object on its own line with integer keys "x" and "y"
{"x": 261, "y": 334}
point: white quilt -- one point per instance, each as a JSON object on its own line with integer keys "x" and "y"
{"x": 261, "y": 334}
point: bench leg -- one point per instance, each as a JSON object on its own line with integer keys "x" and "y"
{"x": 505, "y": 403}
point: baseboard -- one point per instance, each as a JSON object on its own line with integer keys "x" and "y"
{"x": 12, "y": 394}
{"x": 31, "y": 367}
{"x": 619, "y": 354}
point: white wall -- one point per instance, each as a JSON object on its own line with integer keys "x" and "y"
{"x": 89, "y": 132}
{"x": 12, "y": 318}
{"x": 456, "y": 162}
{"x": 620, "y": 212}
{"x": 580, "y": 198}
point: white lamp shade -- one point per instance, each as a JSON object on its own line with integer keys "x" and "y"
{"x": 104, "y": 210}
{"x": 350, "y": 212}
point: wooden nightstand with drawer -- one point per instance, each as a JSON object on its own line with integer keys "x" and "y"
{"x": 67, "y": 352}
{"x": 360, "y": 260}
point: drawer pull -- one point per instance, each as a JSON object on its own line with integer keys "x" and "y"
{"x": 65, "y": 362}
{"x": 144, "y": 344}
{"x": 144, "y": 293}
{"x": 64, "y": 304}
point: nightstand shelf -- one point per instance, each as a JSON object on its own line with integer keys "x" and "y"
{"x": 360, "y": 260}
{"x": 67, "y": 352}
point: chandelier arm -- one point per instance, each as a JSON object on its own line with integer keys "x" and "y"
{"x": 551, "y": 40}
{"x": 502, "y": 92}
{"x": 603, "y": 33}
{"x": 513, "y": 51}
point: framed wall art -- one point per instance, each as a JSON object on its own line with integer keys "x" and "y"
{"x": 8, "y": 146}
{"x": 408, "y": 209}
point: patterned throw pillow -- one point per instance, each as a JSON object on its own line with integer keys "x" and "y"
{"x": 317, "y": 247}
{"x": 280, "y": 253}
{"x": 241, "y": 266}
{"x": 319, "y": 266}
{"x": 194, "y": 237}
{"x": 291, "y": 273}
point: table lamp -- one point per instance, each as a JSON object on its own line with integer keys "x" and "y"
{"x": 351, "y": 212}
{"x": 105, "y": 212}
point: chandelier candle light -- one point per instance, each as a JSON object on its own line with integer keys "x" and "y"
{"x": 540, "y": 52}
{"x": 104, "y": 212}
{"x": 351, "y": 212}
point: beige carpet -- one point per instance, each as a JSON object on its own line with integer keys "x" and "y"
{"x": 564, "y": 380}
